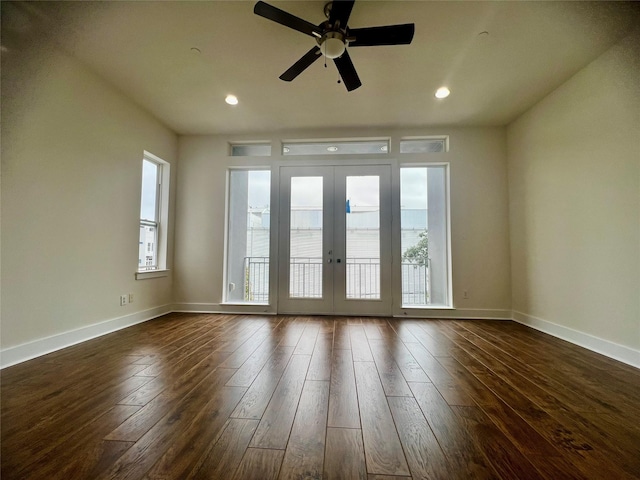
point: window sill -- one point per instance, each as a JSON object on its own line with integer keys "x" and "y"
{"x": 152, "y": 274}
{"x": 250, "y": 304}
{"x": 427, "y": 307}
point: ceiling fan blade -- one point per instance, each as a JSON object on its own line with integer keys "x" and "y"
{"x": 340, "y": 10}
{"x": 284, "y": 18}
{"x": 386, "y": 35}
{"x": 298, "y": 67}
{"x": 347, "y": 71}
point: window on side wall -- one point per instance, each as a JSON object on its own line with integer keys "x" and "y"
{"x": 152, "y": 243}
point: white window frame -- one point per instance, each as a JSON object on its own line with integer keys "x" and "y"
{"x": 160, "y": 224}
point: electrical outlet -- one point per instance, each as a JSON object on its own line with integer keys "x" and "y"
{"x": 465, "y": 295}
{"x": 131, "y": 298}
{"x": 123, "y": 300}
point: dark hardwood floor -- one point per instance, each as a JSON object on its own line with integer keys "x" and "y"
{"x": 191, "y": 396}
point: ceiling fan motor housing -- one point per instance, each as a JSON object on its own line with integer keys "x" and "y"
{"x": 332, "y": 44}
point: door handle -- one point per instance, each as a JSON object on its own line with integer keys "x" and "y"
{"x": 329, "y": 261}
{"x": 338, "y": 261}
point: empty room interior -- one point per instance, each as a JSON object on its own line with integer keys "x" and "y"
{"x": 299, "y": 239}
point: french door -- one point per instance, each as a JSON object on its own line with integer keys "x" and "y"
{"x": 335, "y": 240}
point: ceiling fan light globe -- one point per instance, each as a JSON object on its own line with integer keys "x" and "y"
{"x": 333, "y": 47}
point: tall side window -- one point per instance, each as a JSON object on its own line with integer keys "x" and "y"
{"x": 424, "y": 220}
{"x": 248, "y": 228}
{"x": 152, "y": 245}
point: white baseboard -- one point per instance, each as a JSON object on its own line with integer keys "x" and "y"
{"x": 225, "y": 309}
{"x": 197, "y": 308}
{"x": 36, "y": 348}
{"x": 456, "y": 313}
{"x": 610, "y": 349}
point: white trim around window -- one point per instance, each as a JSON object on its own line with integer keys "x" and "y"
{"x": 154, "y": 217}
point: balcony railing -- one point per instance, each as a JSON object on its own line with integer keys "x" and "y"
{"x": 363, "y": 279}
{"x": 256, "y": 279}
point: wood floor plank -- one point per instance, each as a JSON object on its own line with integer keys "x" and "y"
{"x": 259, "y": 393}
{"x": 194, "y": 409}
{"x": 411, "y": 370}
{"x": 341, "y": 339}
{"x": 446, "y": 384}
{"x": 402, "y": 329}
{"x": 545, "y": 379}
{"x": 259, "y": 464}
{"x": 460, "y": 449}
{"x": 344, "y": 456}
{"x": 138, "y": 424}
{"x": 359, "y": 344}
{"x": 382, "y": 447}
{"x": 61, "y": 425}
{"x": 387, "y": 477}
{"x": 173, "y": 375}
{"x": 433, "y": 346}
{"x": 247, "y": 348}
{"x": 190, "y": 444}
{"x": 77, "y": 454}
{"x": 105, "y": 381}
{"x": 294, "y": 327}
{"x": 308, "y": 339}
{"x": 424, "y": 455}
{"x": 392, "y": 379}
{"x": 372, "y": 331}
{"x": 275, "y": 425}
{"x": 320, "y": 366}
{"x": 507, "y": 461}
{"x": 247, "y": 373}
{"x": 226, "y": 451}
{"x": 343, "y": 397}
{"x": 304, "y": 456}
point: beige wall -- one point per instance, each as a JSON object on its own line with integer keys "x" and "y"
{"x": 574, "y": 182}
{"x": 72, "y": 148}
{"x": 479, "y": 213}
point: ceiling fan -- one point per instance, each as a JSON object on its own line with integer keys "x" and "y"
{"x": 334, "y": 36}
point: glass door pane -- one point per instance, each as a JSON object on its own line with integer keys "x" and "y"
{"x": 305, "y": 237}
{"x": 305, "y": 232}
{"x": 363, "y": 237}
{"x": 362, "y": 240}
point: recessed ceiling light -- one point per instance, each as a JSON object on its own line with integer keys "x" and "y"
{"x": 442, "y": 92}
{"x": 332, "y": 149}
{"x": 231, "y": 100}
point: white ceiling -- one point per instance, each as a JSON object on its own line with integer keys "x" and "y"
{"x": 145, "y": 49}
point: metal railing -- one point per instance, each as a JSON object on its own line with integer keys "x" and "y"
{"x": 362, "y": 282}
{"x": 256, "y": 279}
{"x": 305, "y": 277}
{"x": 363, "y": 278}
{"x": 416, "y": 287}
